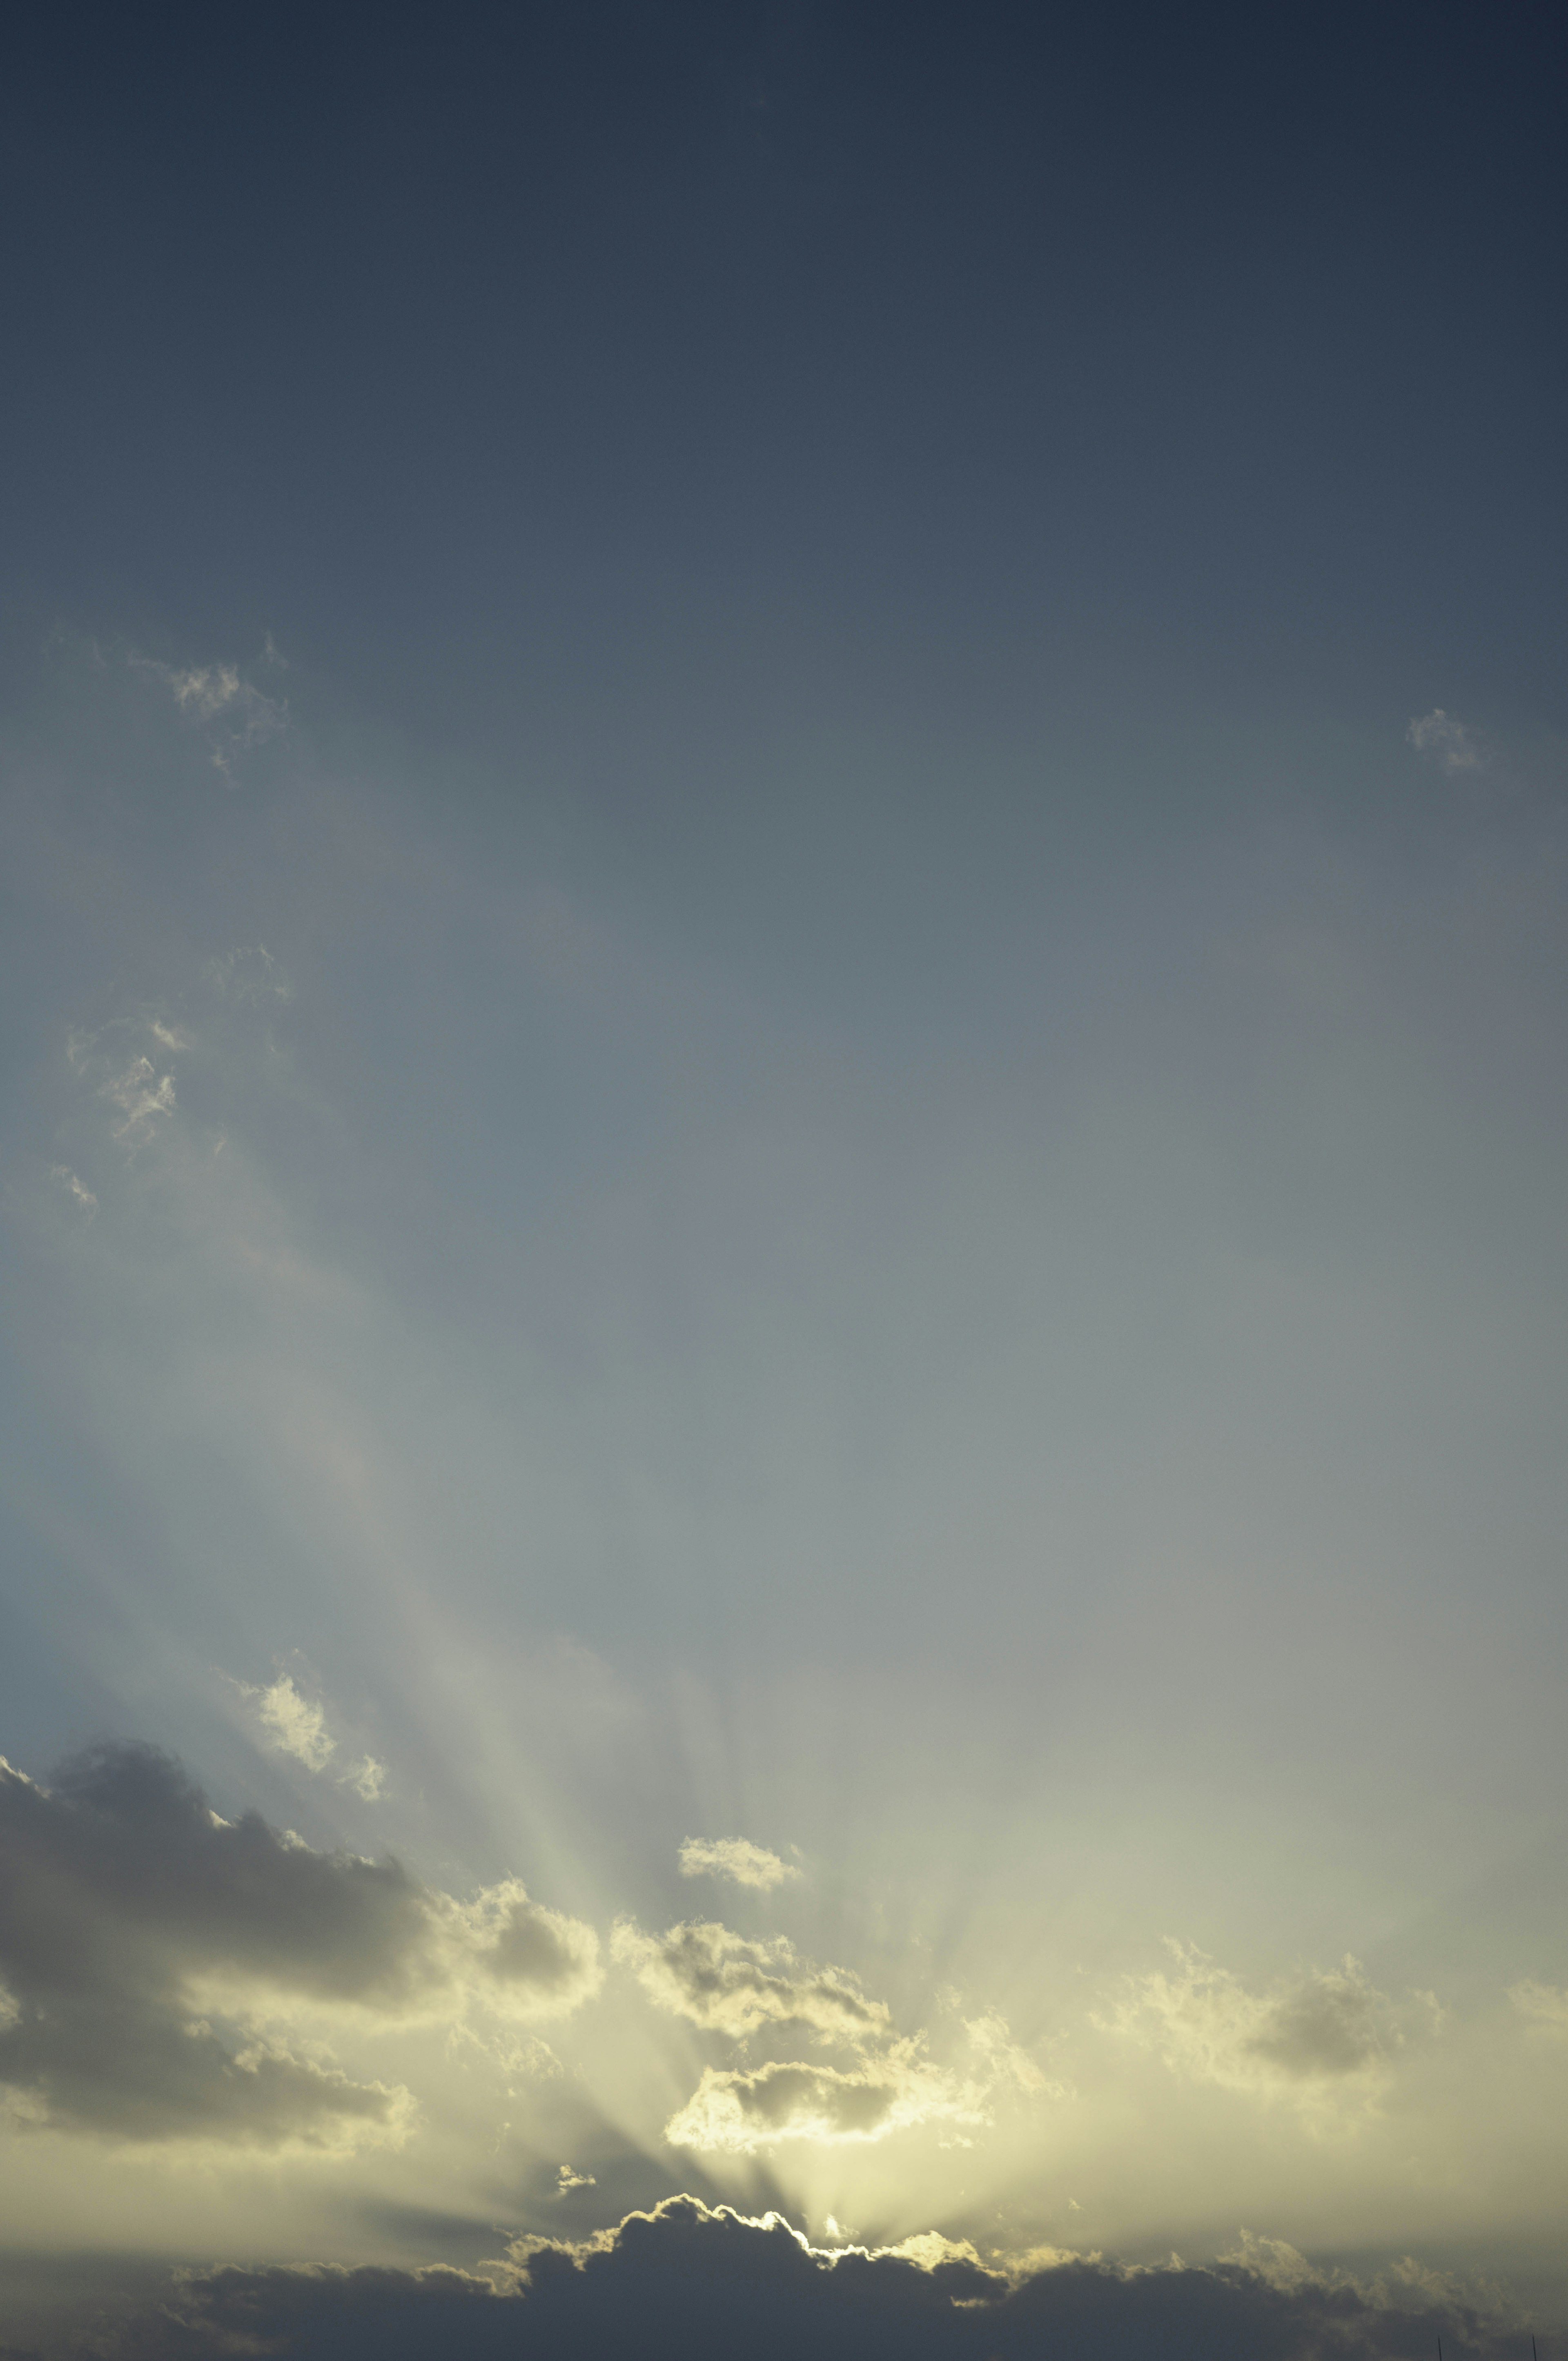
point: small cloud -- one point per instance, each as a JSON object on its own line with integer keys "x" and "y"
{"x": 170, "y": 1037}
{"x": 737, "y": 1857}
{"x": 731, "y": 1984}
{"x": 218, "y": 698}
{"x": 1448, "y": 740}
{"x": 141, "y": 1094}
{"x": 1320, "y": 2043}
{"x": 1543, "y": 2006}
{"x": 567, "y": 2180}
{"x": 76, "y": 1189}
{"x": 367, "y": 1779}
{"x": 248, "y": 975}
{"x": 290, "y": 1723}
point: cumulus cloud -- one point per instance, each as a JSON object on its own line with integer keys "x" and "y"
{"x": 1322, "y": 2039}
{"x": 151, "y": 1951}
{"x": 790, "y": 2100}
{"x": 895, "y": 2088}
{"x": 1448, "y": 740}
{"x": 730, "y": 1983}
{"x": 293, "y": 1724}
{"x": 737, "y": 1857}
{"x": 685, "y": 2280}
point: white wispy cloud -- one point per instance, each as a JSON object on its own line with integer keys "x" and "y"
{"x": 218, "y": 697}
{"x": 736, "y": 1857}
{"x": 368, "y": 1778}
{"x": 76, "y": 1189}
{"x": 1543, "y": 2006}
{"x": 142, "y": 1095}
{"x": 1448, "y": 740}
{"x": 248, "y": 974}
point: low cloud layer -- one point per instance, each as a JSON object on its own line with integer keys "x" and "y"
{"x": 150, "y": 1951}
{"x": 685, "y": 2280}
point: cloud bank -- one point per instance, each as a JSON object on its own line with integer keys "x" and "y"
{"x": 695, "y": 2282}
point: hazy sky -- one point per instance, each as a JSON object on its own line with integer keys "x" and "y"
{"x": 784, "y": 838}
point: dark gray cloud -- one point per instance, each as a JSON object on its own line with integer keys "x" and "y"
{"x": 694, "y": 2282}
{"x": 132, "y": 1916}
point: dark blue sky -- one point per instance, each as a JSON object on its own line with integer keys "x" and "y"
{"x": 533, "y": 359}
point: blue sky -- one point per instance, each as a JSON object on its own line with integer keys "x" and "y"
{"x": 783, "y": 855}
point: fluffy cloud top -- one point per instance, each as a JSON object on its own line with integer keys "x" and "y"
{"x": 132, "y": 1916}
{"x": 736, "y": 1857}
{"x": 687, "y": 2281}
{"x": 731, "y": 1983}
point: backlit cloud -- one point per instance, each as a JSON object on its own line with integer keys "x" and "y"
{"x": 155, "y": 1956}
{"x": 684, "y": 2278}
{"x": 1324, "y": 2040}
{"x": 736, "y": 1857}
{"x": 293, "y": 1724}
{"x": 731, "y": 1983}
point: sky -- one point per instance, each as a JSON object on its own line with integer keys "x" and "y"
{"x": 784, "y": 836}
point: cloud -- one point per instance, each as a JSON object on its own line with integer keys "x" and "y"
{"x": 1320, "y": 2041}
{"x": 743, "y": 2112}
{"x": 141, "y": 1094}
{"x": 218, "y": 698}
{"x": 250, "y": 976}
{"x": 367, "y": 1779}
{"x": 735, "y": 1857}
{"x": 731, "y": 1983}
{"x": 291, "y": 1723}
{"x": 689, "y": 2281}
{"x": 77, "y": 1190}
{"x": 1545, "y": 2006}
{"x": 894, "y": 2089}
{"x": 154, "y": 1954}
{"x": 1448, "y": 740}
